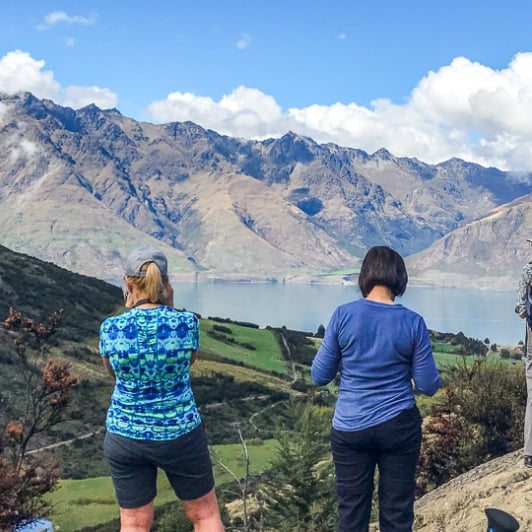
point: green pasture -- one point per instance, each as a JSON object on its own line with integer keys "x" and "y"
{"x": 239, "y": 373}
{"x": 83, "y": 503}
{"x": 267, "y": 355}
{"x": 445, "y": 359}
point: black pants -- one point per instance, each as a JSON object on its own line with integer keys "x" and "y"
{"x": 394, "y": 447}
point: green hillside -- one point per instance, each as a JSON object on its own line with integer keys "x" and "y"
{"x": 245, "y": 380}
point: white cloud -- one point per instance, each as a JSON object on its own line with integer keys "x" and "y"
{"x": 342, "y": 36}
{"x": 21, "y": 148}
{"x": 464, "y": 110}
{"x": 244, "y": 113}
{"x": 58, "y": 17}
{"x": 243, "y": 42}
{"x": 19, "y": 72}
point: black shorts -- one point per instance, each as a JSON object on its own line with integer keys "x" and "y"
{"x": 185, "y": 460}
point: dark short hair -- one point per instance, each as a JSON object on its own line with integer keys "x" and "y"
{"x": 383, "y": 266}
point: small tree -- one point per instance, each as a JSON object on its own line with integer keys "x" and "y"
{"x": 505, "y": 353}
{"x": 252, "y": 519}
{"x": 300, "y": 493}
{"x": 38, "y": 397}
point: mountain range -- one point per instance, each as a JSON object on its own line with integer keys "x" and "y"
{"x": 80, "y": 188}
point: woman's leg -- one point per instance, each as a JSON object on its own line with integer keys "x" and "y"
{"x": 136, "y": 519}
{"x": 204, "y": 513}
{"x": 354, "y": 461}
{"x": 134, "y": 479}
{"x": 399, "y": 444}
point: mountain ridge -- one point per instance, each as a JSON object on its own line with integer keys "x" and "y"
{"x": 80, "y": 188}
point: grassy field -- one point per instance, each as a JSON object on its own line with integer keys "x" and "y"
{"x": 447, "y": 358}
{"x": 240, "y": 374}
{"x": 82, "y": 503}
{"x": 266, "y": 356}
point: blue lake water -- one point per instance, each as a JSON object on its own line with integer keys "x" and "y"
{"x": 477, "y": 313}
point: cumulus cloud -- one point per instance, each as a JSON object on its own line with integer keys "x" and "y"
{"x": 243, "y": 42}
{"x": 19, "y": 72}
{"x": 244, "y": 113}
{"x": 464, "y": 109}
{"x": 58, "y": 17}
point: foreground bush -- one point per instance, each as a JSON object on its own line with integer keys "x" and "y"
{"x": 480, "y": 416}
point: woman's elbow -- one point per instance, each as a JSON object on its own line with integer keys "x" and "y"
{"x": 318, "y": 378}
{"x": 430, "y": 388}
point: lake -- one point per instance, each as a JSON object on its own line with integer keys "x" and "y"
{"x": 477, "y": 313}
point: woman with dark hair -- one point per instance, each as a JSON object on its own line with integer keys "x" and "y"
{"x": 383, "y": 352}
{"x": 153, "y": 421}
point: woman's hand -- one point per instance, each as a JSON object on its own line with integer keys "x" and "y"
{"x": 195, "y": 355}
{"x": 128, "y": 300}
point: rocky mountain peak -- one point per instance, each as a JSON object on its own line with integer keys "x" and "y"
{"x": 383, "y": 154}
{"x": 251, "y": 209}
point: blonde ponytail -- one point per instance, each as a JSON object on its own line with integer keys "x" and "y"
{"x": 151, "y": 285}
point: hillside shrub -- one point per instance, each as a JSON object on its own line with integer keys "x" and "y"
{"x": 222, "y": 329}
{"x": 35, "y": 402}
{"x": 505, "y": 353}
{"x": 228, "y": 320}
{"x": 221, "y": 337}
{"x": 296, "y": 346}
{"x": 479, "y": 417}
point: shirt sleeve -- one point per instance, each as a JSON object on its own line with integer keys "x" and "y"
{"x": 425, "y": 373}
{"x": 195, "y": 334}
{"x": 327, "y": 360}
{"x": 524, "y": 282}
{"x": 103, "y": 343}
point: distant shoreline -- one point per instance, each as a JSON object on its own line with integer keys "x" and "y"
{"x": 341, "y": 279}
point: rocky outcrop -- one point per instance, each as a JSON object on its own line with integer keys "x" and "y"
{"x": 459, "y": 505}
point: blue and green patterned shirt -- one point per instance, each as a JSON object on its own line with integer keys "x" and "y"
{"x": 150, "y": 351}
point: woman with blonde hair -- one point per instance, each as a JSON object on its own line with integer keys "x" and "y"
{"x": 153, "y": 421}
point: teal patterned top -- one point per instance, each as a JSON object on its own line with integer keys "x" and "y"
{"x": 149, "y": 351}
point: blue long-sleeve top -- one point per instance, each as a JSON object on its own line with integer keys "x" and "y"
{"x": 381, "y": 351}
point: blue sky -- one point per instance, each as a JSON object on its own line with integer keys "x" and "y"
{"x": 431, "y": 80}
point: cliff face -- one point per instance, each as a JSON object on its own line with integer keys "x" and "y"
{"x": 80, "y": 188}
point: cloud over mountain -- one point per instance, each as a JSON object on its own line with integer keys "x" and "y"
{"x": 464, "y": 109}
{"x": 19, "y": 72}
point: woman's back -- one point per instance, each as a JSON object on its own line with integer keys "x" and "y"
{"x": 150, "y": 351}
{"x": 380, "y": 348}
